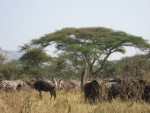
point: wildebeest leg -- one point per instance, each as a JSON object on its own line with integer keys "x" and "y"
{"x": 85, "y": 98}
{"x": 54, "y": 93}
{"x": 51, "y": 95}
{"x": 94, "y": 100}
{"x": 90, "y": 98}
{"x": 40, "y": 95}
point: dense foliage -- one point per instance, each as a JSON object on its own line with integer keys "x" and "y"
{"x": 75, "y": 46}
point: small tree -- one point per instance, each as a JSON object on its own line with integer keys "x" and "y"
{"x": 34, "y": 60}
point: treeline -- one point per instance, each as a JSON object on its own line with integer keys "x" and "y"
{"x": 79, "y": 50}
{"x": 135, "y": 66}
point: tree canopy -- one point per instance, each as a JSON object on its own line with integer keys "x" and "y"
{"x": 96, "y": 44}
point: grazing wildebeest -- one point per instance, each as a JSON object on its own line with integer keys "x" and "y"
{"x": 91, "y": 91}
{"x": 41, "y": 85}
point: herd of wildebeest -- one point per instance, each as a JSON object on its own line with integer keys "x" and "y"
{"x": 94, "y": 90}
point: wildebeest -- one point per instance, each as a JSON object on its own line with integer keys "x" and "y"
{"x": 91, "y": 91}
{"x": 127, "y": 89}
{"x": 146, "y": 94}
{"x": 41, "y": 85}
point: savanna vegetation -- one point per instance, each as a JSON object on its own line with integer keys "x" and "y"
{"x": 82, "y": 54}
{"x": 28, "y": 101}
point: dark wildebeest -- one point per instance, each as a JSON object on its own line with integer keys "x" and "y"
{"x": 41, "y": 85}
{"x": 127, "y": 89}
{"x": 91, "y": 91}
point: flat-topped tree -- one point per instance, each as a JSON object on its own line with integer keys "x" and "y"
{"x": 95, "y": 43}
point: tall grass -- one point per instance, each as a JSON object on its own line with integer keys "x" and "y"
{"x": 28, "y": 101}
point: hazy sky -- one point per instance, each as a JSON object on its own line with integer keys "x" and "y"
{"x": 24, "y": 20}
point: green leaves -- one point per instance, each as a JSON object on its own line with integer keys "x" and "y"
{"x": 36, "y": 56}
{"x": 95, "y": 43}
{"x": 35, "y": 60}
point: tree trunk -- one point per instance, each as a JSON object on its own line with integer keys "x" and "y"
{"x": 83, "y": 75}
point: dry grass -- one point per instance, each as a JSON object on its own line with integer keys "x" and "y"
{"x": 28, "y": 101}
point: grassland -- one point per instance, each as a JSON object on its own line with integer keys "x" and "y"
{"x": 28, "y": 101}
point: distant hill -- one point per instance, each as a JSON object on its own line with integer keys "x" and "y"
{"x": 10, "y": 54}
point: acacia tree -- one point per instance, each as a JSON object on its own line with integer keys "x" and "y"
{"x": 96, "y": 44}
